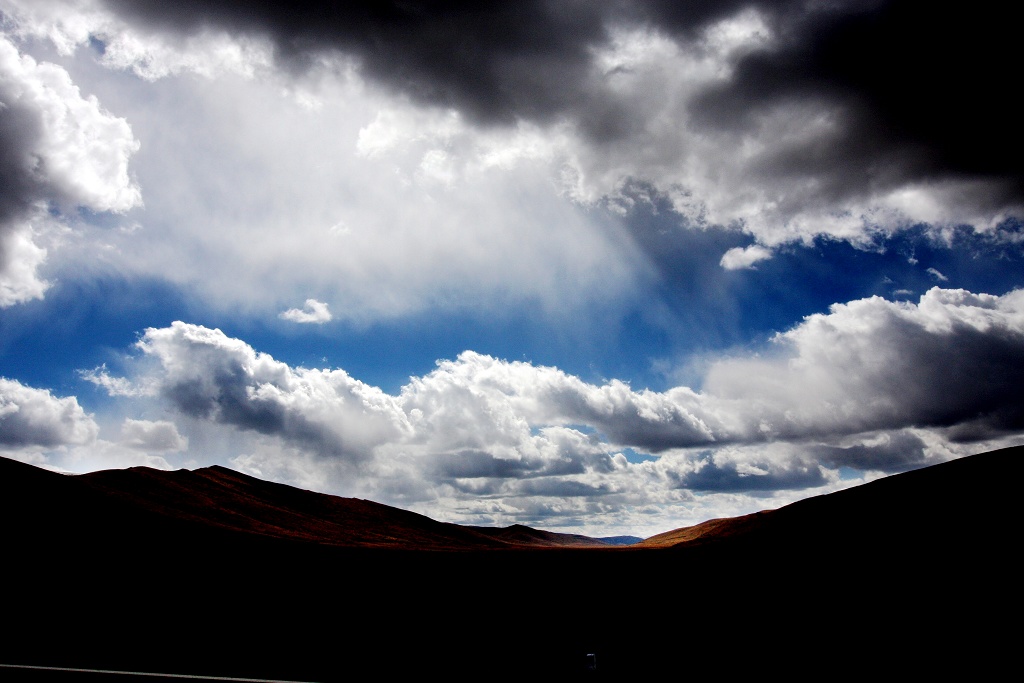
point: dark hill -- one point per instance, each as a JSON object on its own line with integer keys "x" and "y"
{"x": 231, "y": 501}
{"x": 964, "y": 501}
{"x": 214, "y": 573}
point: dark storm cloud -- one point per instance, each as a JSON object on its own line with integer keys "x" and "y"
{"x": 471, "y": 464}
{"x": 895, "y": 452}
{"x": 919, "y": 91}
{"x": 560, "y": 488}
{"x": 728, "y": 477}
{"x": 494, "y": 61}
{"x": 474, "y": 464}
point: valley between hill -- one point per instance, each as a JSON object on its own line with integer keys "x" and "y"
{"x": 211, "y": 572}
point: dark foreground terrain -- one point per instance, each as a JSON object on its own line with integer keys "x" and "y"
{"x": 213, "y": 573}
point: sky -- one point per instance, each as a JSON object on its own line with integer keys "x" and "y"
{"x": 610, "y": 268}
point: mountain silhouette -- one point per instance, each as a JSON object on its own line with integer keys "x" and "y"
{"x": 227, "y": 500}
{"x": 212, "y": 572}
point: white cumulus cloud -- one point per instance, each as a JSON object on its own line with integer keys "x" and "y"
{"x": 852, "y": 386}
{"x": 150, "y": 436}
{"x": 35, "y": 418}
{"x": 61, "y": 151}
{"x": 313, "y": 312}
{"x": 951, "y": 361}
{"x": 744, "y": 257}
{"x": 865, "y": 366}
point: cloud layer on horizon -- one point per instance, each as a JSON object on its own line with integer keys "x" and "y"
{"x": 873, "y": 385}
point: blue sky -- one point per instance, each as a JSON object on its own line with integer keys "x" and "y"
{"x": 602, "y": 268}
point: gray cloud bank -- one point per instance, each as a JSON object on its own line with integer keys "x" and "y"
{"x": 889, "y": 64}
{"x": 786, "y": 120}
{"x": 902, "y": 93}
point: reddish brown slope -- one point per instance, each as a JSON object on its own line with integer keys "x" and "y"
{"x": 967, "y": 501}
{"x": 223, "y": 498}
{"x": 712, "y": 529}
